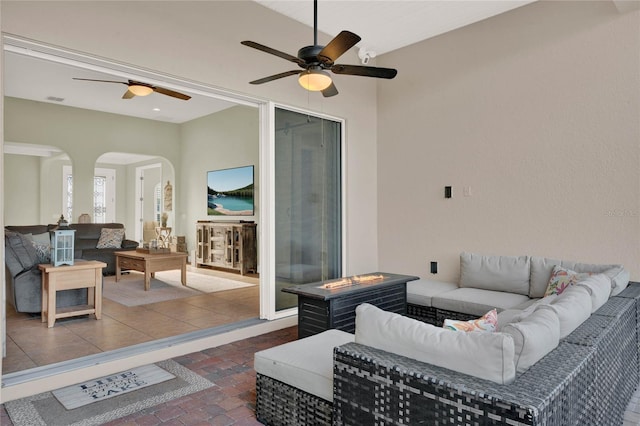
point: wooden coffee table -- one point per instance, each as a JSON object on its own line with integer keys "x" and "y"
{"x": 82, "y": 274}
{"x": 150, "y": 263}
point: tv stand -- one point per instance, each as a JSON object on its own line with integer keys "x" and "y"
{"x": 227, "y": 245}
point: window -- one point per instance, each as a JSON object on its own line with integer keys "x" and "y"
{"x": 104, "y": 195}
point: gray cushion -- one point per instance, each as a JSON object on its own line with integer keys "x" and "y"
{"x": 23, "y": 254}
{"x": 421, "y": 291}
{"x": 534, "y": 336}
{"x": 498, "y": 273}
{"x": 523, "y": 310}
{"x": 573, "y": 307}
{"x": 486, "y": 355}
{"x": 306, "y": 364}
{"x": 475, "y": 301}
{"x": 541, "y": 268}
{"x": 599, "y": 287}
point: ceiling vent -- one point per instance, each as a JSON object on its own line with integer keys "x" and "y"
{"x": 55, "y": 99}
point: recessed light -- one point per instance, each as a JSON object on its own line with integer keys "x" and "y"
{"x": 156, "y": 109}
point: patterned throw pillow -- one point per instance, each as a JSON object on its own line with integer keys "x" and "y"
{"x": 488, "y": 322}
{"x": 562, "y": 278}
{"x": 110, "y": 238}
{"x": 43, "y": 250}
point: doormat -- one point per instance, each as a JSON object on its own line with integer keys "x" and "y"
{"x": 45, "y": 410}
{"x": 109, "y": 386}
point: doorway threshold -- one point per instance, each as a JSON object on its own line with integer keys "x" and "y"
{"x": 53, "y": 376}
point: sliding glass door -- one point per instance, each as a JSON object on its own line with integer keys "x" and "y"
{"x": 308, "y": 201}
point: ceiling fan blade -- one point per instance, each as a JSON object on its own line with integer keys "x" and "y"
{"x": 364, "y": 71}
{"x": 271, "y": 51}
{"x": 330, "y": 91}
{"x": 101, "y": 81}
{"x": 275, "y": 77}
{"x": 336, "y": 47}
{"x": 128, "y": 94}
{"x": 171, "y": 93}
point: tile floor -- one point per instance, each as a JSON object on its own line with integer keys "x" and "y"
{"x": 30, "y": 343}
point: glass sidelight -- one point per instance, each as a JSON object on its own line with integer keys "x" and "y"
{"x": 308, "y": 201}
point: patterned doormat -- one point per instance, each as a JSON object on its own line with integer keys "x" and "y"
{"x": 110, "y": 386}
{"x": 45, "y": 410}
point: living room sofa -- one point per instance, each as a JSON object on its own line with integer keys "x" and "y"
{"x": 23, "y": 278}
{"x": 579, "y": 366}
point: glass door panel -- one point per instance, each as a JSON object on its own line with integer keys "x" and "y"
{"x": 308, "y": 202}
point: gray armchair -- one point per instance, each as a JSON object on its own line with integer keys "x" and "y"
{"x": 24, "y": 280}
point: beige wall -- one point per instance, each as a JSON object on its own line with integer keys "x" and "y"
{"x": 22, "y": 191}
{"x": 537, "y": 111}
{"x": 84, "y": 136}
{"x": 200, "y": 41}
{"x": 229, "y": 138}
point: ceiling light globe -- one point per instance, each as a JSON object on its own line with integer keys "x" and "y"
{"x": 140, "y": 90}
{"x": 314, "y": 80}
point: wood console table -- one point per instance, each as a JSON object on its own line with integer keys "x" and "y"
{"x": 82, "y": 274}
{"x": 332, "y": 304}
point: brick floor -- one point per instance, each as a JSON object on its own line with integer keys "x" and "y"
{"x": 231, "y": 401}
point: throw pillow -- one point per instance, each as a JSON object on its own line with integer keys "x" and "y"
{"x": 110, "y": 238}
{"x": 487, "y": 322}
{"x": 43, "y": 251}
{"x": 562, "y": 278}
{"x": 42, "y": 238}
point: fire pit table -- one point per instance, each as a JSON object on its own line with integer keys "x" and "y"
{"x": 331, "y": 304}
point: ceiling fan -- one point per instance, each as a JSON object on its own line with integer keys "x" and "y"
{"x": 137, "y": 88}
{"x": 316, "y": 60}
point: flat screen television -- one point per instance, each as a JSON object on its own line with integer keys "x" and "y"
{"x": 230, "y": 192}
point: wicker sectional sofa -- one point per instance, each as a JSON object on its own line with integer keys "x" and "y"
{"x": 586, "y": 379}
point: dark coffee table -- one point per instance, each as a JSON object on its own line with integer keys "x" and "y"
{"x": 331, "y": 304}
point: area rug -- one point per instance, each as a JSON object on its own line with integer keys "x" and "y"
{"x": 166, "y": 285}
{"x": 45, "y": 410}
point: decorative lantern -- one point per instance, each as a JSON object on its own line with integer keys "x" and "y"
{"x": 62, "y": 243}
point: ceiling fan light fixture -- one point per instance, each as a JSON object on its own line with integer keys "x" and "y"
{"x": 314, "y": 80}
{"x": 140, "y": 90}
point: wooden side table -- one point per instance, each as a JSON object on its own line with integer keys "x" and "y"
{"x": 82, "y": 274}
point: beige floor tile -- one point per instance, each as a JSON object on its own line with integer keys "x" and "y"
{"x": 33, "y": 344}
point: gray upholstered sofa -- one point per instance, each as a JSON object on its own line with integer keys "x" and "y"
{"x": 379, "y": 381}
{"x": 23, "y": 278}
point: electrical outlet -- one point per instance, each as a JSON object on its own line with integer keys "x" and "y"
{"x": 466, "y": 191}
{"x": 434, "y": 267}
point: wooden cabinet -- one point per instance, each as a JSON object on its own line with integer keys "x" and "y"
{"x": 229, "y": 245}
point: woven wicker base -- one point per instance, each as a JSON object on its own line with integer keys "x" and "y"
{"x": 435, "y": 316}
{"x": 280, "y": 404}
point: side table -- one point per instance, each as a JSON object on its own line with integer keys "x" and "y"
{"x": 82, "y": 274}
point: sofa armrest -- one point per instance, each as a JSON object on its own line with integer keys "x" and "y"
{"x": 129, "y": 244}
{"x": 373, "y": 386}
